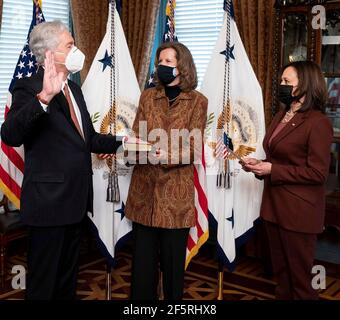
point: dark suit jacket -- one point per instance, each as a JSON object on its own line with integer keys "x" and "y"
{"x": 57, "y": 186}
{"x": 294, "y": 192}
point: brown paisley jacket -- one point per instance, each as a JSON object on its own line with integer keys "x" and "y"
{"x": 162, "y": 195}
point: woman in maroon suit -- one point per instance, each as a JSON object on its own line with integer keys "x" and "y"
{"x": 297, "y": 146}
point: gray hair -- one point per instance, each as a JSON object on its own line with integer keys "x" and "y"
{"x": 45, "y": 36}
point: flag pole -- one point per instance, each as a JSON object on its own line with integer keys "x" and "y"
{"x": 112, "y": 191}
{"x": 108, "y": 289}
{"x": 224, "y": 174}
{"x": 160, "y": 285}
{"x": 220, "y": 280}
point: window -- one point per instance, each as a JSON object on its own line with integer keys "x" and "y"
{"x": 198, "y": 23}
{"x": 16, "y": 20}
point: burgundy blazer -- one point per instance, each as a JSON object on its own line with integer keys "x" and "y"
{"x": 294, "y": 192}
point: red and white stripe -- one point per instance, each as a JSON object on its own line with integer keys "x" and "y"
{"x": 221, "y": 149}
{"x": 11, "y": 168}
{"x": 199, "y": 234}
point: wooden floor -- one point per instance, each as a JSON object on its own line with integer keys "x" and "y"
{"x": 247, "y": 282}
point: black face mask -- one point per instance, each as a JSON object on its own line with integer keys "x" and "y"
{"x": 166, "y": 74}
{"x": 285, "y": 94}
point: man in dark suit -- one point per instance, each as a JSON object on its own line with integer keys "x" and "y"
{"x": 49, "y": 117}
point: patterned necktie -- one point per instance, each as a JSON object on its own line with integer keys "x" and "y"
{"x": 71, "y": 107}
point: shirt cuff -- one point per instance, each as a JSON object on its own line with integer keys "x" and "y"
{"x": 44, "y": 106}
{"x": 42, "y": 103}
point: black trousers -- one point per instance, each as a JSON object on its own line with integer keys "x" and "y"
{"x": 292, "y": 255}
{"x": 154, "y": 247}
{"x": 52, "y": 261}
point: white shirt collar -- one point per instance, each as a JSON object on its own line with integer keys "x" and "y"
{"x": 63, "y": 84}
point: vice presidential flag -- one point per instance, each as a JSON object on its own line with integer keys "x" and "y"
{"x": 111, "y": 78}
{"x": 235, "y": 128}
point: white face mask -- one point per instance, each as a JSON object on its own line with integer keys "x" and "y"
{"x": 74, "y": 61}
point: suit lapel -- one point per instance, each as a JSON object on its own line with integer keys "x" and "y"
{"x": 271, "y": 128}
{"x": 61, "y": 103}
{"x": 294, "y": 123}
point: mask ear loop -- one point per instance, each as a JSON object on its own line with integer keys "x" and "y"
{"x": 297, "y": 97}
{"x": 59, "y": 52}
{"x": 63, "y": 53}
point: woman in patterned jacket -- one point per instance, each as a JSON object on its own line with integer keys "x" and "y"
{"x": 161, "y": 196}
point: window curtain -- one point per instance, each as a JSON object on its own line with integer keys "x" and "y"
{"x": 139, "y": 22}
{"x": 1, "y": 3}
{"x": 89, "y": 24}
{"x": 255, "y": 21}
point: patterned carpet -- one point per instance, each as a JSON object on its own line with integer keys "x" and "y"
{"x": 247, "y": 282}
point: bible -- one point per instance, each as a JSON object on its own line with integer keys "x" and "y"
{"x": 137, "y": 145}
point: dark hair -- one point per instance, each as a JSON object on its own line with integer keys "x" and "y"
{"x": 311, "y": 86}
{"x": 185, "y": 65}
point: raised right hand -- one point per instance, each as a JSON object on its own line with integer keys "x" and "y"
{"x": 52, "y": 82}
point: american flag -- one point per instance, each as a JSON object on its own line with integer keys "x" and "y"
{"x": 12, "y": 159}
{"x": 199, "y": 234}
{"x": 170, "y": 33}
{"x": 223, "y": 147}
